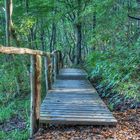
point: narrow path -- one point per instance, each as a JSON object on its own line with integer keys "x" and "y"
{"x": 73, "y": 100}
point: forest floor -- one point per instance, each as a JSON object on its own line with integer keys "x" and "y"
{"x": 128, "y": 128}
{"x": 14, "y": 125}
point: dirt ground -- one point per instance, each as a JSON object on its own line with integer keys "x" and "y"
{"x": 128, "y": 128}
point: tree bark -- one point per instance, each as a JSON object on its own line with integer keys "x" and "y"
{"x": 79, "y": 42}
{"x": 78, "y": 34}
{"x": 7, "y": 19}
{"x": 53, "y": 37}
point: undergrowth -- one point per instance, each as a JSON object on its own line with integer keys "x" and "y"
{"x": 116, "y": 73}
{"x": 14, "y": 98}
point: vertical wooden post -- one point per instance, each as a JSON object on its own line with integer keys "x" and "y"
{"x": 46, "y": 73}
{"x": 35, "y": 78}
{"x": 50, "y": 72}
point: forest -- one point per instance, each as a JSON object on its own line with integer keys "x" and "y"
{"x": 100, "y": 36}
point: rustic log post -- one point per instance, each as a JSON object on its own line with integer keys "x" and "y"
{"x": 49, "y": 73}
{"x": 35, "y": 78}
{"x": 46, "y": 73}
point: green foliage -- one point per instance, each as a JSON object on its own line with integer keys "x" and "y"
{"x": 14, "y": 75}
{"x": 119, "y": 69}
{"x": 26, "y": 24}
{"x": 115, "y": 62}
{"x": 14, "y": 135}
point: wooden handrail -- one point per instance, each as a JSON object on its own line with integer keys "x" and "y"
{"x": 52, "y": 63}
{"x": 14, "y": 50}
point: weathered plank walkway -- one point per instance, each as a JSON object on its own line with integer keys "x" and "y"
{"x": 73, "y": 100}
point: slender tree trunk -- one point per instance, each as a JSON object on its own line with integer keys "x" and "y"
{"x": 42, "y": 35}
{"x": 7, "y": 19}
{"x": 53, "y": 37}
{"x": 79, "y": 42}
{"x": 27, "y": 6}
{"x": 94, "y": 26}
{"x": 42, "y": 39}
{"x": 78, "y": 35}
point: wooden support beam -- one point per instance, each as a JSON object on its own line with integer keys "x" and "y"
{"x": 54, "y": 66}
{"x": 50, "y": 76}
{"x": 35, "y": 78}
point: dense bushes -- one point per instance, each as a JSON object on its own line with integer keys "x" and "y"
{"x": 118, "y": 70}
{"x": 14, "y": 75}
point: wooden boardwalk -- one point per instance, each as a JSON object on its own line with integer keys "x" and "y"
{"x": 73, "y": 100}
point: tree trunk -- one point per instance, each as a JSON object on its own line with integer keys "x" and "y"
{"x": 53, "y": 37}
{"x": 42, "y": 35}
{"x": 7, "y": 18}
{"x": 79, "y": 42}
{"x": 78, "y": 34}
{"x": 27, "y": 6}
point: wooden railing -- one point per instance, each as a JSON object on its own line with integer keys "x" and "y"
{"x": 52, "y": 63}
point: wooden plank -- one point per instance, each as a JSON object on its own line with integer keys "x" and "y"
{"x": 91, "y": 113}
{"x": 71, "y": 77}
{"x": 65, "y": 70}
{"x": 77, "y": 116}
{"x": 72, "y": 96}
{"x": 75, "y": 110}
{"x": 74, "y": 105}
{"x": 78, "y": 103}
{"x": 63, "y": 101}
{"x": 80, "y": 84}
{"x": 75, "y": 98}
{"x": 96, "y": 112}
{"x": 84, "y": 91}
{"x": 70, "y": 93}
{"x": 70, "y": 114}
{"x": 73, "y": 74}
{"x": 78, "y": 121}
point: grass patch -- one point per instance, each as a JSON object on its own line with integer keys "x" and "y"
{"x": 14, "y": 119}
{"x": 14, "y": 135}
